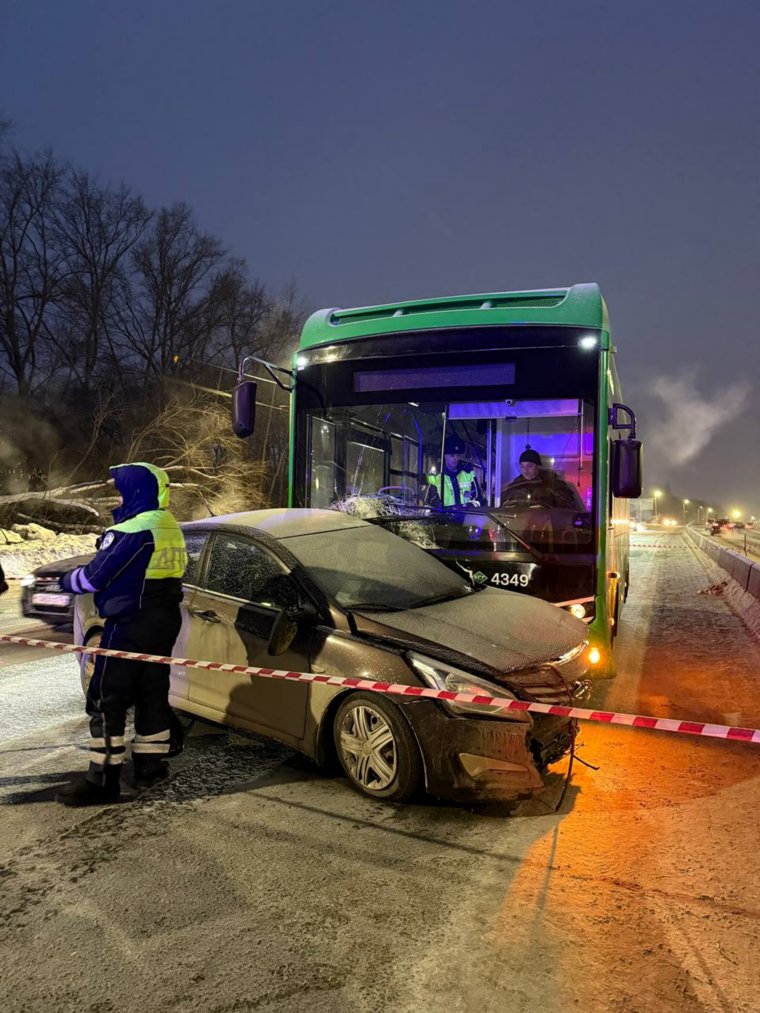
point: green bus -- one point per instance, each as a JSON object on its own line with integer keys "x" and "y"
{"x": 489, "y": 429}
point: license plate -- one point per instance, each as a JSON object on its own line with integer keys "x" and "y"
{"x": 51, "y": 599}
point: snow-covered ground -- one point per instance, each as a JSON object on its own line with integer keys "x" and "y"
{"x": 20, "y": 558}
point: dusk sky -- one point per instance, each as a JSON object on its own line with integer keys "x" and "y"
{"x": 371, "y": 152}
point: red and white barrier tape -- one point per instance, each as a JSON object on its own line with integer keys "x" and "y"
{"x": 399, "y": 689}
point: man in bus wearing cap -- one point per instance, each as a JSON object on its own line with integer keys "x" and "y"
{"x": 460, "y": 485}
{"x": 539, "y": 486}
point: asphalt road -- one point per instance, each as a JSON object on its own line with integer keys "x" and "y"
{"x": 251, "y": 882}
{"x": 746, "y": 542}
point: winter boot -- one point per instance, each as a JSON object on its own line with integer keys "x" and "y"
{"x": 149, "y": 771}
{"x": 86, "y": 792}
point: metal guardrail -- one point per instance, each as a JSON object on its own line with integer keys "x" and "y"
{"x": 740, "y": 568}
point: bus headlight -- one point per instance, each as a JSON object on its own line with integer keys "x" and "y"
{"x": 28, "y": 580}
{"x": 439, "y": 675}
{"x": 581, "y": 610}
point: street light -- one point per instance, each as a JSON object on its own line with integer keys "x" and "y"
{"x": 685, "y": 504}
{"x": 655, "y": 494}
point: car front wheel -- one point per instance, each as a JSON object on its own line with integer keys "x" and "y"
{"x": 377, "y": 749}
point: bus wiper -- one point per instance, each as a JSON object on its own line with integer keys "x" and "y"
{"x": 498, "y": 519}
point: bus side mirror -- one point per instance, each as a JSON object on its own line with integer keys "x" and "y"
{"x": 625, "y": 468}
{"x": 244, "y": 409}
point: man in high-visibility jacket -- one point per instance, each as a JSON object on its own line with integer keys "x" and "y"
{"x": 136, "y": 577}
{"x": 460, "y": 485}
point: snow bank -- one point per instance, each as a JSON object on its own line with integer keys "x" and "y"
{"x": 20, "y": 558}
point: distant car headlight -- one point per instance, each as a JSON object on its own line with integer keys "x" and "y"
{"x": 28, "y": 580}
{"x": 438, "y": 675}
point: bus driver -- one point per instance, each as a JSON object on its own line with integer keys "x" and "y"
{"x": 539, "y": 486}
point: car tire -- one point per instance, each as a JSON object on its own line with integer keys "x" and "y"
{"x": 87, "y": 661}
{"x": 391, "y": 768}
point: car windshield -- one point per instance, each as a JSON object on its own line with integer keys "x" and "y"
{"x": 369, "y": 568}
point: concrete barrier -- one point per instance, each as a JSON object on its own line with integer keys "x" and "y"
{"x": 742, "y": 570}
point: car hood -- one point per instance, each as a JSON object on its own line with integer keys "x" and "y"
{"x": 498, "y": 631}
{"x": 59, "y": 566}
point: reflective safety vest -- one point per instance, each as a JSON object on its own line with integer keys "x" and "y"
{"x": 465, "y": 487}
{"x": 169, "y": 555}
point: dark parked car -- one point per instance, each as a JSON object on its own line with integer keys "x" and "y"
{"x": 321, "y": 591}
{"x": 42, "y": 596}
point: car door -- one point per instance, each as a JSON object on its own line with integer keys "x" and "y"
{"x": 195, "y": 542}
{"x": 241, "y": 592}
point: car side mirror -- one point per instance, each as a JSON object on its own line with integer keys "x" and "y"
{"x": 244, "y": 409}
{"x": 286, "y": 626}
{"x": 283, "y": 633}
{"x": 625, "y": 468}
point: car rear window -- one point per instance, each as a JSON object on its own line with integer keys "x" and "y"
{"x": 195, "y": 542}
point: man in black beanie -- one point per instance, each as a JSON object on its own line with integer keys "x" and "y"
{"x": 539, "y": 486}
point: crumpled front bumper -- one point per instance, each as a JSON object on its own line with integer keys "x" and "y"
{"x": 471, "y": 759}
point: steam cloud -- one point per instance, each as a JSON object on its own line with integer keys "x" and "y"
{"x": 690, "y": 420}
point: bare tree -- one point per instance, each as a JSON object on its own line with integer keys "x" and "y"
{"x": 174, "y": 269}
{"x": 96, "y": 228}
{"x": 31, "y": 265}
{"x": 209, "y": 467}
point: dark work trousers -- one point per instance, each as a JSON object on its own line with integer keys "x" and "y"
{"x": 118, "y": 684}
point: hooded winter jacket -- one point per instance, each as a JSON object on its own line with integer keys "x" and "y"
{"x": 141, "y": 559}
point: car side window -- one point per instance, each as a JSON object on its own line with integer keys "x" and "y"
{"x": 195, "y": 542}
{"x": 243, "y": 570}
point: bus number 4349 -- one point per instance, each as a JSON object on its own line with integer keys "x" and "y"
{"x": 510, "y": 579}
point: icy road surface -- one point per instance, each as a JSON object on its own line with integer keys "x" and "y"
{"x": 250, "y": 882}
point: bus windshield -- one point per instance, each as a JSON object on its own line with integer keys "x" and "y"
{"x": 502, "y": 475}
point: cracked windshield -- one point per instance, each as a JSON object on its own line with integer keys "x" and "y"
{"x": 503, "y": 475}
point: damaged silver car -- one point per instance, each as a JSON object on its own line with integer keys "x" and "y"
{"x": 324, "y": 592}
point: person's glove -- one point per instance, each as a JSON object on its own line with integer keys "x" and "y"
{"x": 65, "y": 582}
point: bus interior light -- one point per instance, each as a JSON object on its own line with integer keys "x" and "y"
{"x": 588, "y": 341}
